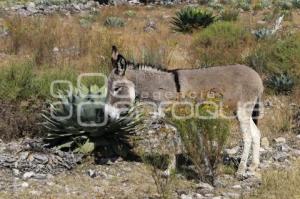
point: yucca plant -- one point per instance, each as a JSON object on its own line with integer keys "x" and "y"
{"x": 190, "y": 18}
{"x": 281, "y": 83}
{"x": 78, "y": 123}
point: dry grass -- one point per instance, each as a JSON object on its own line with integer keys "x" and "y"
{"x": 279, "y": 184}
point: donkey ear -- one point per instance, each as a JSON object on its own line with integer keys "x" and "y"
{"x": 118, "y": 61}
{"x": 120, "y": 65}
{"x": 115, "y": 53}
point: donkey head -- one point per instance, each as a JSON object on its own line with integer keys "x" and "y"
{"x": 121, "y": 92}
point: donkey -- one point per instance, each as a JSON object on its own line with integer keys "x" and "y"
{"x": 241, "y": 89}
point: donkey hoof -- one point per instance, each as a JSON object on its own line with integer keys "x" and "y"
{"x": 253, "y": 168}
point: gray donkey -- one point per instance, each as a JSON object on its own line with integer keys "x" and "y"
{"x": 241, "y": 88}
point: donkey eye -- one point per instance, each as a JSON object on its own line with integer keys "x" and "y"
{"x": 117, "y": 88}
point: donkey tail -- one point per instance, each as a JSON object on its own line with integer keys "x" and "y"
{"x": 256, "y": 111}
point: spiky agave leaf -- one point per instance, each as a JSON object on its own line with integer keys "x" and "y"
{"x": 190, "y": 18}
{"x": 72, "y": 123}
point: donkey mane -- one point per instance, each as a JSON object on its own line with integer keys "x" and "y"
{"x": 146, "y": 67}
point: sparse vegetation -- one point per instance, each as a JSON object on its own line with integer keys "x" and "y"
{"x": 203, "y": 139}
{"x": 221, "y": 43}
{"x": 229, "y": 14}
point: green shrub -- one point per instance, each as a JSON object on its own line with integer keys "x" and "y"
{"x": 203, "y": 139}
{"x": 221, "y": 43}
{"x": 17, "y": 82}
{"x": 276, "y": 56}
{"x": 281, "y": 83}
{"x": 114, "y": 22}
{"x": 284, "y": 4}
{"x": 190, "y": 18}
{"x": 229, "y": 14}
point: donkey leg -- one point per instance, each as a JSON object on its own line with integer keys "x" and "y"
{"x": 244, "y": 118}
{"x": 255, "y": 133}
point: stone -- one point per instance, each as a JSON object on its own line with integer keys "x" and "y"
{"x": 204, "y": 188}
{"x": 280, "y": 157}
{"x": 296, "y": 153}
{"x": 198, "y": 196}
{"x": 298, "y": 136}
{"x": 91, "y": 173}
{"x": 24, "y": 185}
{"x": 265, "y": 143}
{"x": 184, "y": 196}
{"x": 232, "y": 151}
{"x": 283, "y": 148}
{"x": 16, "y": 172}
{"x": 237, "y": 186}
{"x": 28, "y": 175}
{"x": 232, "y": 195}
{"x": 40, "y": 176}
{"x": 150, "y": 26}
{"x": 280, "y": 140}
{"x": 261, "y": 22}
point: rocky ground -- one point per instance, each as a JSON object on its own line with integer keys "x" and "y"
{"x": 30, "y": 170}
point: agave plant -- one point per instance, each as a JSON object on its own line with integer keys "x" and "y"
{"x": 281, "y": 83}
{"x": 78, "y": 122}
{"x": 114, "y": 22}
{"x": 190, "y": 18}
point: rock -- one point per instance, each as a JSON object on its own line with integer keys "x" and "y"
{"x": 265, "y": 143}
{"x": 280, "y": 140}
{"x": 184, "y": 196}
{"x": 28, "y": 175}
{"x": 283, "y": 148}
{"x": 298, "y": 136}
{"x": 261, "y": 22}
{"x": 16, "y": 172}
{"x": 232, "y": 195}
{"x": 237, "y": 186}
{"x": 150, "y": 26}
{"x": 280, "y": 157}
{"x": 217, "y": 197}
{"x": 91, "y": 173}
{"x": 296, "y": 153}
{"x": 24, "y": 185}
{"x": 204, "y": 187}
{"x": 232, "y": 151}
{"x": 40, "y": 176}
{"x": 209, "y": 195}
{"x": 198, "y": 196}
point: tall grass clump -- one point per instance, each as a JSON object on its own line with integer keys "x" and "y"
{"x": 191, "y": 18}
{"x": 17, "y": 82}
{"x": 229, "y": 14}
{"x": 203, "y": 137}
{"x": 222, "y": 43}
